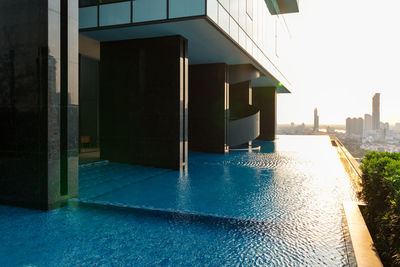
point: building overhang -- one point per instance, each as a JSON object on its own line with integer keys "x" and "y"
{"x": 263, "y": 81}
{"x": 277, "y": 7}
{"x": 206, "y": 44}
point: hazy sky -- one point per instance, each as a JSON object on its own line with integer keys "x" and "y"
{"x": 343, "y": 52}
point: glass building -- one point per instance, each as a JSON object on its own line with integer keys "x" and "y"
{"x": 138, "y": 81}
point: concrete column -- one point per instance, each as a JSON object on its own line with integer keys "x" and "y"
{"x": 264, "y": 98}
{"x": 208, "y": 107}
{"x": 143, "y": 101}
{"x": 38, "y": 102}
{"x": 239, "y": 96}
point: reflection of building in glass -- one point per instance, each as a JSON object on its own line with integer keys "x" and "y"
{"x": 375, "y": 112}
{"x": 316, "y": 120}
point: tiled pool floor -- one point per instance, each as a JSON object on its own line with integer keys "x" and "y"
{"x": 280, "y": 206}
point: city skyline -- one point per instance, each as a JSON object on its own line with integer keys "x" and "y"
{"x": 347, "y": 61}
{"x": 371, "y": 121}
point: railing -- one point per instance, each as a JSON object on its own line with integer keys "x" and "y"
{"x": 244, "y": 126}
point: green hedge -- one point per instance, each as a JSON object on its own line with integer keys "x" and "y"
{"x": 381, "y": 191}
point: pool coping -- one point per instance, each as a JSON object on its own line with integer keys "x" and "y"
{"x": 361, "y": 241}
{"x": 350, "y": 164}
{"x": 360, "y": 246}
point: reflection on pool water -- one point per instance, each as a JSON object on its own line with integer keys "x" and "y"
{"x": 279, "y": 206}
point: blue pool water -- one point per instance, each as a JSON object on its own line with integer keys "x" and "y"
{"x": 279, "y": 206}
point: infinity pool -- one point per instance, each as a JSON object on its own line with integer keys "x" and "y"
{"x": 279, "y": 206}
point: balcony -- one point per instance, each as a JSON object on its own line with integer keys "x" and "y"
{"x": 244, "y": 125}
{"x": 277, "y": 7}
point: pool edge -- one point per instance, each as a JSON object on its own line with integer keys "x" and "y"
{"x": 361, "y": 240}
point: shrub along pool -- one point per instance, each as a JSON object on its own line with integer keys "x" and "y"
{"x": 381, "y": 190}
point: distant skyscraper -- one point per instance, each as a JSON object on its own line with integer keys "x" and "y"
{"x": 348, "y": 126}
{"x": 316, "y": 121}
{"x": 386, "y": 129}
{"x": 354, "y": 126}
{"x": 367, "y": 122}
{"x": 376, "y": 117}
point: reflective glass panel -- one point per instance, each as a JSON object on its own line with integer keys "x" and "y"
{"x": 186, "y": 8}
{"x": 113, "y": 14}
{"x": 147, "y": 10}
{"x": 88, "y": 17}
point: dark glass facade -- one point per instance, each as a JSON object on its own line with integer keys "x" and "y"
{"x": 31, "y": 103}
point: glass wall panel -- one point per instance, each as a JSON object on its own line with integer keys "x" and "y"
{"x": 249, "y": 8}
{"x": 242, "y": 38}
{"x": 223, "y": 18}
{"x": 225, "y": 4}
{"x": 234, "y": 29}
{"x": 114, "y": 14}
{"x": 242, "y": 13}
{"x": 186, "y": 8}
{"x": 249, "y": 45}
{"x": 88, "y": 17}
{"x": 148, "y": 10}
{"x": 234, "y": 9}
{"x": 251, "y": 25}
{"x": 212, "y": 10}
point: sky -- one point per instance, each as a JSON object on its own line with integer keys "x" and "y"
{"x": 342, "y": 52}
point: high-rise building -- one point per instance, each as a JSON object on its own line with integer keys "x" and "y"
{"x": 385, "y": 127}
{"x": 367, "y": 122}
{"x": 348, "y": 126}
{"x": 354, "y": 126}
{"x": 316, "y": 120}
{"x": 376, "y": 117}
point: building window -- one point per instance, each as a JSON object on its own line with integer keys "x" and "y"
{"x": 249, "y": 8}
{"x": 83, "y": 3}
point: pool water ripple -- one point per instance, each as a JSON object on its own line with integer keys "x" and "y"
{"x": 277, "y": 207}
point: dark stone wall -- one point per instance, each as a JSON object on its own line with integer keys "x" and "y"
{"x": 143, "y": 91}
{"x": 30, "y": 103}
{"x": 264, "y": 98}
{"x": 88, "y": 99}
{"x": 238, "y": 99}
{"x": 208, "y": 107}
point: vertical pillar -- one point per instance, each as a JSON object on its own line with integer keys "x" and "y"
{"x": 264, "y": 98}
{"x": 143, "y": 101}
{"x": 239, "y": 96}
{"x": 31, "y": 108}
{"x": 209, "y": 107}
